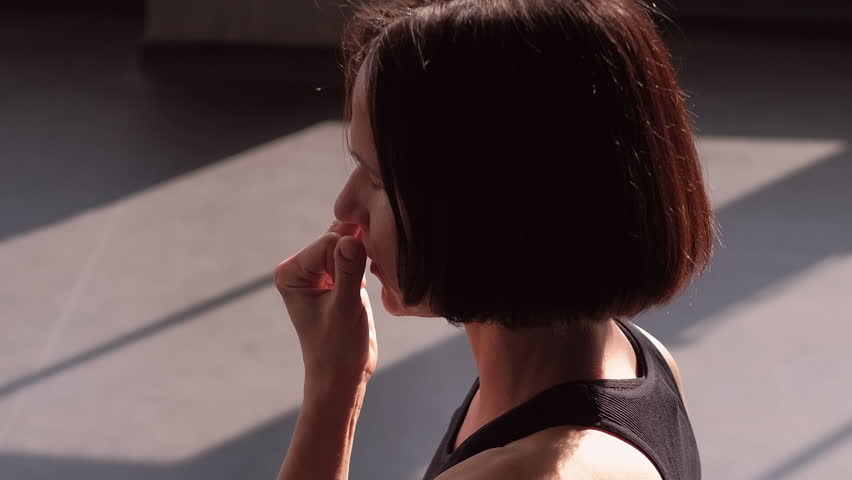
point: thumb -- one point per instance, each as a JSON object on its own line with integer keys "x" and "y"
{"x": 350, "y": 261}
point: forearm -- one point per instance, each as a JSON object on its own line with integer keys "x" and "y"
{"x": 322, "y": 441}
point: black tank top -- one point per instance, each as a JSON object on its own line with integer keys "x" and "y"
{"x": 648, "y": 412}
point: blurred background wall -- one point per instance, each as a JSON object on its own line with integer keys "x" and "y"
{"x": 317, "y": 22}
{"x": 290, "y": 22}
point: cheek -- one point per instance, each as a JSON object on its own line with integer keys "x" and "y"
{"x": 385, "y": 256}
{"x": 385, "y": 260}
{"x": 384, "y": 242}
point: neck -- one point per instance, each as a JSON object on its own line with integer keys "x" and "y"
{"x": 514, "y": 366}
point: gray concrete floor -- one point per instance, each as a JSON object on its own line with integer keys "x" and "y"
{"x": 143, "y": 214}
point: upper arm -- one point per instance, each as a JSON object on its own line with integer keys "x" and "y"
{"x": 669, "y": 359}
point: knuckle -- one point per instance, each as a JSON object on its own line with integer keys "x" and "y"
{"x": 280, "y": 275}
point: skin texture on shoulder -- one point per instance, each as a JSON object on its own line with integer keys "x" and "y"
{"x": 494, "y": 463}
{"x": 565, "y": 452}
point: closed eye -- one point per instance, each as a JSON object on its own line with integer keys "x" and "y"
{"x": 361, "y": 165}
{"x": 373, "y": 183}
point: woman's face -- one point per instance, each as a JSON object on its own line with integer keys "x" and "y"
{"x": 364, "y": 201}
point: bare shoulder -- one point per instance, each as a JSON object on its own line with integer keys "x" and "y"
{"x": 667, "y": 355}
{"x": 494, "y": 463}
{"x": 566, "y": 452}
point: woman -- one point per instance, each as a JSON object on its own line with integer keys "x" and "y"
{"x": 526, "y": 169}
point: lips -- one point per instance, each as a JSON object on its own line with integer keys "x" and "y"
{"x": 360, "y": 236}
{"x": 374, "y": 267}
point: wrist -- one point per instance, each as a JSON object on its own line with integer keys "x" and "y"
{"x": 328, "y": 388}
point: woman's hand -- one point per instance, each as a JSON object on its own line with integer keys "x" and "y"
{"x": 325, "y": 295}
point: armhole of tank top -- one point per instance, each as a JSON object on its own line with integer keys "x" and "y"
{"x": 648, "y": 343}
{"x": 639, "y": 348}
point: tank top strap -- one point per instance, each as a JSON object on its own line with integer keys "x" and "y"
{"x": 656, "y": 365}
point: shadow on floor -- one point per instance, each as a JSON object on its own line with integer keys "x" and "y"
{"x": 84, "y": 122}
{"x": 397, "y": 431}
{"x": 762, "y": 248}
{"x": 390, "y": 442}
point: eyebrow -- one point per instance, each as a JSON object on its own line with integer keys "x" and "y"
{"x": 364, "y": 164}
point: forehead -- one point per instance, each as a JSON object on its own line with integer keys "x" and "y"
{"x": 359, "y": 91}
{"x": 361, "y": 137}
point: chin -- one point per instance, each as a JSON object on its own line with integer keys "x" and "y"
{"x": 389, "y": 302}
{"x": 392, "y": 303}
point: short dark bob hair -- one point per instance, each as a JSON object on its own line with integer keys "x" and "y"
{"x": 537, "y": 156}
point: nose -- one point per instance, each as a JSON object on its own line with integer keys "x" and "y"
{"x": 348, "y": 208}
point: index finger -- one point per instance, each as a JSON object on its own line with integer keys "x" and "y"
{"x": 307, "y": 268}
